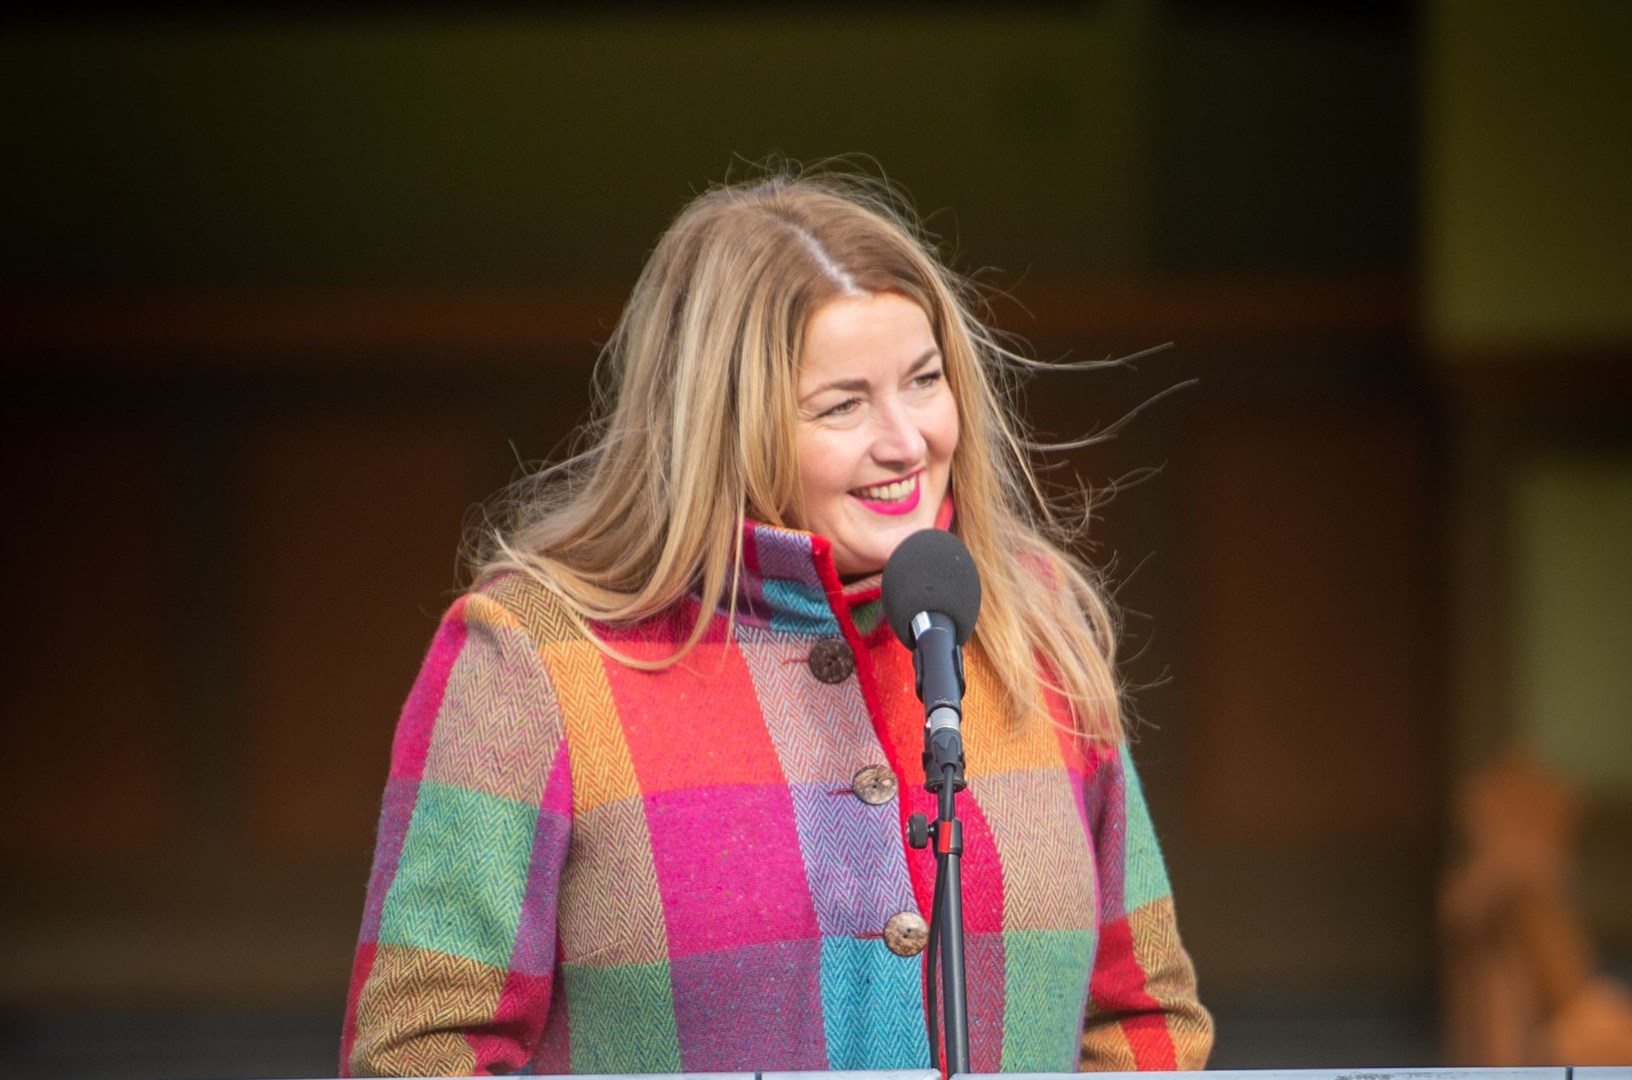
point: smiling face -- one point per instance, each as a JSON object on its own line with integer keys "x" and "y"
{"x": 877, "y": 427}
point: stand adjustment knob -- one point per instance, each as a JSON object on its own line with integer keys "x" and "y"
{"x": 918, "y": 831}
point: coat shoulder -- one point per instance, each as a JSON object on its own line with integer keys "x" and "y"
{"x": 524, "y": 602}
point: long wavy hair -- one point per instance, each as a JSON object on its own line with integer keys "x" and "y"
{"x": 696, "y": 431}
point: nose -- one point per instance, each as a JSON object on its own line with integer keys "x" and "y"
{"x": 897, "y": 440}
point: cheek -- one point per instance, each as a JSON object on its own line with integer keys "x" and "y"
{"x": 819, "y": 468}
{"x": 945, "y": 438}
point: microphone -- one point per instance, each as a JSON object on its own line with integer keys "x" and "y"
{"x": 932, "y": 598}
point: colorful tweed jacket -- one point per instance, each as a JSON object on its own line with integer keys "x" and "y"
{"x": 585, "y": 867}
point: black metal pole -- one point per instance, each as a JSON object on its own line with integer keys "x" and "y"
{"x": 948, "y": 867}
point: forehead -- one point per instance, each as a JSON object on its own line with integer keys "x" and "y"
{"x": 862, "y": 332}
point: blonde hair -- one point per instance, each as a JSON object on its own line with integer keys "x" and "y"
{"x": 698, "y": 424}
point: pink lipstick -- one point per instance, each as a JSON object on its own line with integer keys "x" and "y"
{"x": 901, "y": 506}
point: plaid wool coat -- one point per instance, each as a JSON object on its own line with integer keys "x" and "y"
{"x": 587, "y": 867}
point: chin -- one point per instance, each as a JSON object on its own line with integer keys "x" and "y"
{"x": 860, "y": 562}
{"x": 870, "y": 548}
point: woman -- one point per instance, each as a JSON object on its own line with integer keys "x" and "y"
{"x": 647, "y": 797}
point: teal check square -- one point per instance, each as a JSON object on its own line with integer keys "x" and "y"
{"x": 1146, "y": 875}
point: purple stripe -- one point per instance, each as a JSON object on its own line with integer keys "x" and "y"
{"x": 534, "y": 953}
{"x": 786, "y": 556}
{"x": 396, "y": 810}
{"x": 1106, "y": 809}
{"x": 852, "y": 856}
{"x": 756, "y": 1006}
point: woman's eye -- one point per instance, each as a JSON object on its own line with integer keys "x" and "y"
{"x": 846, "y": 406}
{"x": 929, "y": 378}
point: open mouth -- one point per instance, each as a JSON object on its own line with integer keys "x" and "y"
{"x": 895, "y": 497}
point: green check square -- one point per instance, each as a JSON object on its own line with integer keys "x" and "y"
{"x": 1044, "y": 993}
{"x": 621, "y": 1019}
{"x": 462, "y": 874}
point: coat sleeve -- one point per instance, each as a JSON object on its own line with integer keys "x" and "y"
{"x": 1143, "y": 1013}
{"x": 455, "y": 962}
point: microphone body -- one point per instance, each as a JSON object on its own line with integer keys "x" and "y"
{"x": 937, "y": 662}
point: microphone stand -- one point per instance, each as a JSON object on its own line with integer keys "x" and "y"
{"x": 944, "y": 778}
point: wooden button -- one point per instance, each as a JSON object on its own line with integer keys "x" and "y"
{"x": 906, "y": 933}
{"x": 832, "y": 661}
{"x": 874, "y": 785}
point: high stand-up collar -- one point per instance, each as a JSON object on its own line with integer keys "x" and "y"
{"x": 790, "y": 583}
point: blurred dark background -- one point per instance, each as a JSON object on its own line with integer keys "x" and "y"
{"x": 284, "y": 294}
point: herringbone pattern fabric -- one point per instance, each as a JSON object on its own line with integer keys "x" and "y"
{"x": 587, "y": 867}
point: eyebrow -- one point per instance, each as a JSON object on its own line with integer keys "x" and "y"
{"x": 852, "y": 386}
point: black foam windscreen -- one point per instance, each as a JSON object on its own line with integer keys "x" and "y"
{"x": 931, "y": 570}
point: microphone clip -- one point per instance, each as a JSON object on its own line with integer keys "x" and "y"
{"x": 943, "y": 757}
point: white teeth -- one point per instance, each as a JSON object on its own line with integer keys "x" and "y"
{"x": 889, "y": 492}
